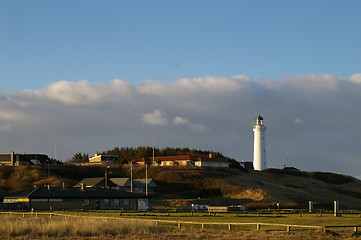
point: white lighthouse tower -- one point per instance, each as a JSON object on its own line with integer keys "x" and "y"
{"x": 259, "y": 145}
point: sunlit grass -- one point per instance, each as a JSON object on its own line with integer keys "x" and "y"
{"x": 301, "y": 219}
{"x": 110, "y": 225}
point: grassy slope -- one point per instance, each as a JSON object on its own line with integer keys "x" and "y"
{"x": 222, "y": 186}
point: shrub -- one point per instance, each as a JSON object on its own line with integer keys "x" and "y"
{"x": 34, "y": 227}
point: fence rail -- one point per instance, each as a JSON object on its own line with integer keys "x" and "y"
{"x": 180, "y": 224}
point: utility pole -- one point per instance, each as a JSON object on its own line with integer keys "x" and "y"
{"x": 106, "y": 176}
{"x": 131, "y": 176}
{"x": 153, "y": 152}
{"x": 146, "y": 176}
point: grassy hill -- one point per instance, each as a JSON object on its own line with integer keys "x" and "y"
{"x": 211, "y": 186}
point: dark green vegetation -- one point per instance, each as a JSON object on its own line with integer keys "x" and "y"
{"x": 125, "y": 154}
{"x": 180, "y": 187}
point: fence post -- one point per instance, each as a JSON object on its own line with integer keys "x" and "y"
{"x": 258, "y": 226}
{"x": 288, "y": 228}
{"x": 336, "y": 205}
{"x": 157, "y": 224}
{"x": 355, "y": 229}
{"x": 179, "y": 225}
{"x": 310, "y": 206}
{"x": 229, "y": 227}
{"x": 202, "y": 225}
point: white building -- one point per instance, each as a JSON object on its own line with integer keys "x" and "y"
{"x": 259, "y": 145}
{"x": 103, "y": 159}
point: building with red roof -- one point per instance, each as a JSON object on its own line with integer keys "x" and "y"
{"x": 183, "y": 160}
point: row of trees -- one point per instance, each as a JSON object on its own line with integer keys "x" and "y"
{"x": 125, "y": 154}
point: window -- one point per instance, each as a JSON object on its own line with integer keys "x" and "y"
{"x": 116, "y": 202}
{"x": 73, "y": 200}
{"x": 55, "y": 200}
{"x": 126, "y": 202}
{"x": 87, "y": 202}
{"x": 39, "y": 200}
{"x": 106, "y": 202}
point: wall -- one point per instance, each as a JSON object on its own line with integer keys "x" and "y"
{"x": 91, "y": 204}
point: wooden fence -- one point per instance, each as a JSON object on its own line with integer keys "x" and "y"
{"x": 202, "y": 225}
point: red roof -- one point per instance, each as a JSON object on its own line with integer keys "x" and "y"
{"x": 194, "y": 158}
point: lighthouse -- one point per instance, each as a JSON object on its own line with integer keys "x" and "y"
{"x": 259, "y": 145}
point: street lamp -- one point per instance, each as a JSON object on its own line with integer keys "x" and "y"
{"x": 106, "y": 176}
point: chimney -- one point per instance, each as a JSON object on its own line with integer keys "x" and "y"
{"x": 210, "y": 155}
{"x": 82, "y": 186}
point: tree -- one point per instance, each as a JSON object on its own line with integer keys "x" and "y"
{"x": 79, "y": 157}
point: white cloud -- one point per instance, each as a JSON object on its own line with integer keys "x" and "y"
{"x": 314, "y": 118}
{"x": 157, "y": 117}
{"x": 195, "y": 127}
{"x": 83, "y": 93}
{"x": 191, "y": 86}
{"x": 180, "y": 121}
{"x": 356, "y": 78}
{"x": 298, "y": 120}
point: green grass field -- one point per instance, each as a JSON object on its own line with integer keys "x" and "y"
{"x": 313, "y": 219}
{"x": 238, "y": 221}
{"x": 112, "y": 225}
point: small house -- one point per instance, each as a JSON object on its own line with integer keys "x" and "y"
{"x": 126, "y": 184}
{"x": 99, "y": 159}
{"x": 61, "y": 198}
{"x": 140, "y": 185}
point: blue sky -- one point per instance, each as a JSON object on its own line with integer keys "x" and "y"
{"x": 88, "y": 76}
{"x": 48, "y": 41}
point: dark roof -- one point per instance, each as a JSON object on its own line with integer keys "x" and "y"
{"x": 121, "y": 182}
{"x": 21, "y": 193}
{"x": 140, "y": 182}
{"x": 60, "y": 192}
{"x": 90, "y": 181}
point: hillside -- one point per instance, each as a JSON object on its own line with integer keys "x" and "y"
{"x": 290, "y": 188}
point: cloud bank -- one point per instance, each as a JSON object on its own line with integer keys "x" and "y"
{"x": 313, "y": 119}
